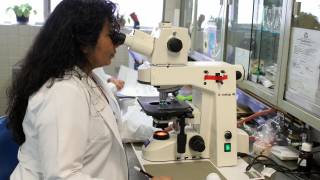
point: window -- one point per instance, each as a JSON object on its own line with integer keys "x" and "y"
{"x": 7, "y": 17}
{"x": 148, "y": 12}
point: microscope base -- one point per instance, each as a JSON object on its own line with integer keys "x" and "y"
{"x": 192, "y": 169}
{"x": 166, "y": 150}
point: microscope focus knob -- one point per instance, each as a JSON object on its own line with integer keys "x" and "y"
{"x": 196, "y": 143}
{"x": 238, "y": 75}
{"x": 227, "y": 135}
{"x": 174, "y": 45}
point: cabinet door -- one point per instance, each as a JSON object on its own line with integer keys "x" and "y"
{"x": 208, "y": 28}
{"x": 253, "y": 40}
{"x": 300, "y": 95}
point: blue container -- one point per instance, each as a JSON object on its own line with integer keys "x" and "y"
{"x": 8, "y": 150}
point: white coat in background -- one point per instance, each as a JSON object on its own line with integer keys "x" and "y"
{"x": 71, "y": 134}
{"x": 134, "y": 125}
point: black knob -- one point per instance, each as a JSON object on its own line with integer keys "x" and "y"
{"x": 174, "y": 45}
{"x": 238, "y": 75}
{"x": 196, "y": 143}
{"x": 228, "y": 135}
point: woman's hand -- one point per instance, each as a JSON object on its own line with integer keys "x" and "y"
{"x": 162, "y": 178}
{"x": 173, "y": 126}
{"x": 119, "y": 83}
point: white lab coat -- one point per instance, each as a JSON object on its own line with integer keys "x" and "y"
{"x": 71, "y": 134}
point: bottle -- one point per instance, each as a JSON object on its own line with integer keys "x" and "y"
{"x": 211, "y": 33}
{"x": 305, "y": 157}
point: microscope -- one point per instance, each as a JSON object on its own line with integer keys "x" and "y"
{"x": 212, "y": 113}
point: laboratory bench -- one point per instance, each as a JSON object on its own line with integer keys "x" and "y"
{"x": 282, "y": 176}
{"x": 191, "y": 169}
{"x": 133, "y": 161}
{"x": 135, "y": 175}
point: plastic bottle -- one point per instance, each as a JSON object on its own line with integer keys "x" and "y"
{"x": 211, "y": 30}
{"x": 305, "y": 157}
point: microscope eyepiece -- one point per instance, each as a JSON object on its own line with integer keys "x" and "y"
{"x": 117, "y": 38}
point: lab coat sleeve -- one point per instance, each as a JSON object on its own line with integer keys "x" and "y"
{"x": 100, "y": 72}
{"x": 63, "y": 133}
{"x": 103, "y": 75}
{"x": 136, "y": 126}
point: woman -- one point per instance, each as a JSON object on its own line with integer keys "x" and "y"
{"x": 59, "y": 116}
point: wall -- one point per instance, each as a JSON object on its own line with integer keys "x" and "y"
{"x": 14, "y": 43}
{"x": 16, "y": 39}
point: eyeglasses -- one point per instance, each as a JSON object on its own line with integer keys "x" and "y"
{"x": 117, "y": 38}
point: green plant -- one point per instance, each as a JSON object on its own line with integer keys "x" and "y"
{"x": 22, "y": 10}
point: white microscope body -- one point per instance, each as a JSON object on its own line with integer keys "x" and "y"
{"x": 214, "y": 96}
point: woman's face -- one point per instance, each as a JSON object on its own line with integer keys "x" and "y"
{"x": 104, "y": 50}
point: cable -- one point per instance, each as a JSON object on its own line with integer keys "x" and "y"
{"x": 255, "y": 115}
{"x": 268, "y": 162}
{"x": 314, "y": 152}
{"x": 273, "y": 164}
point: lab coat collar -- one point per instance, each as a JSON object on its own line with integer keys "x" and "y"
{"x": 109, "y": 94}
{"x": 99, "y": 103}
{"x": 106, "y": 114}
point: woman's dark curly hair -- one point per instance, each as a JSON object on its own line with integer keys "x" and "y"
{"x": 73, "y": 25}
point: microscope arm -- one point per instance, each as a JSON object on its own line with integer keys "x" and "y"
{"x": 209, "y": 76}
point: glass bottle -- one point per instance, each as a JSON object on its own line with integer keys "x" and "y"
{"x": 305, "y": 157}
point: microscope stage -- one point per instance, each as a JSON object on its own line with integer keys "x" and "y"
{"x": 173, "y": 108}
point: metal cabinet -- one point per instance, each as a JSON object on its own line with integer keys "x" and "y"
{"x": 280, "y": 50}
{"x": 277, "y": 42}
{"x": 253, "y": 40}
{"x": 300, "y": 94}
{"x": 244, "y": 32}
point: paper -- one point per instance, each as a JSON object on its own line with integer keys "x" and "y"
{"x": 304, "y": 62}
{"x": 131, "y": 86}
{"x": 303, "y": 86}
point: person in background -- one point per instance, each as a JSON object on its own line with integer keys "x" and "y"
{"x": 114, "y": 84}
{"x": 136, "y": 22}
{"x": 134, "y": 125}
{"x": 57, "y": 112}
{"x": 133, "y": 54}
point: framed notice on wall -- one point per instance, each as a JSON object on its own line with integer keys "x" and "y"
{"x": 303, "y": 78}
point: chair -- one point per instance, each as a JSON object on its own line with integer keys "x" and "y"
{"x": 8, "y": 150}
